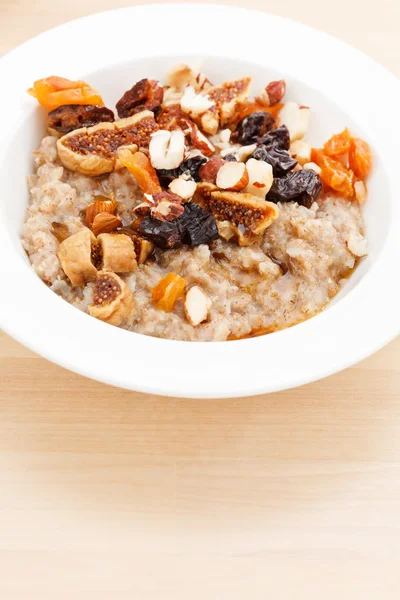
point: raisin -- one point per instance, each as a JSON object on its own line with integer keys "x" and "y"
{"x": 252, "y": 127}
{"x": 280, "y": 160}
{"x": 230, "y": 158}
{"x": 146, "y": 94}
{"x": 302, "y": 187}
{"x": 190, "y": 166}
{"x": 163, "y": 234}
{"x": 69, "y": 117}
{"x": 278, "y": 137}
{"x": 196, "y": 225}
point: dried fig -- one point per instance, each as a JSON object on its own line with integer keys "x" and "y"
{"x": 68, "y": 117}
{"x": 146, "y": 94}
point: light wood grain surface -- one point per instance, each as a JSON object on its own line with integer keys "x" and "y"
{"x": 111, "y": 495}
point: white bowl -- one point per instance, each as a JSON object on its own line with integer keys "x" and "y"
{"x": 114, "y": 49}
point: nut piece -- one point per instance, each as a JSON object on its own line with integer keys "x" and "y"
{"x": 200, "y": 141}
{"x": 183, "y": 188}
{"x": 242, "y": 209}
{"x": 301, "y": 151}
{"x": 227, "y": 98}
{"x": 102, "y": 204}
{"x": 312, "y": 166}
{"x": 93, "y": 151}
{"x": 260, "y": 177}
{"x": 233, "y": 176}
{"x": 357, "y": 244}
{"x": 182, "y": 75}
{"x": 295, "y": 118}
{"x": 113, "y": 301}
{"x": 196, "y": 305}
{"x": 360, "y": 190}
{"x": 118, "y": 253}
{"x": 167, "y": 149}
{"x": 105, "y": 223}
{"x": 195, "y": 104}
{"x": 273, "y": 93}
{"x": 242, "y": 235}
{"x": 209, "y": 171}
{"x": 74, "y": 255}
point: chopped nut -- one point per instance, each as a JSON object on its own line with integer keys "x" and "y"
{"x": 243, "y": 153}
{"x": 301, "y": 151}
{"x": 242, "y": 235}
{"x": 75, "y": 254}
{"x": 105, "y": 223}
{"x": 313, "y": 167}
{"x": 196, "y": 305}
{"x": 113, "y": 301}
{"x": 183, "y": 188}
{"x": 167, "y": 149}
{"x": 209, "y": 171}
{"x": 260, "y": 177}
{"x": 357, "y": 244}
{"x": 60, "y": 231}
{"x": 242, "y": 209}
{"x": 195, "y": 104}
{"x": 93, "y": 151}
{"x": 100, "y": 205}
{"x": 233, "y": 176}
{"x": 273, "y": 93}
{"x": 118, "y": 253}
{"x": 295, "y": 118}
{"x": 200, "y": 141}
{"x": 227, "y": 98}
{"x": 182, "y": 75}
{"x": 360, "y": 190}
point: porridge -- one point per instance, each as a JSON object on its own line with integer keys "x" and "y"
{"x": 196, "y": 214}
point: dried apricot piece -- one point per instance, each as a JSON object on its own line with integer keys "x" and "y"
{"x": 360, "y": 158}
{"x": 53, "y": 92}
{"x": 167, "y": 291}
{"x": 141, "y": 168}
{"x": 338, "y": 143}
{"x": 334, "y": 174}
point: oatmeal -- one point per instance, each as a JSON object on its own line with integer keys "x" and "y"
{"x": 198, "y": 214}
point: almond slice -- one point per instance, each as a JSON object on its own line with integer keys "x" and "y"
{"x": 167, "y": 149}
{"x": 260, "y": 177}
{"x": 232, "y": 176}
{"x": 195, "y": 104}
{"x": 183, "y": 188}
{"x": 196, "y": 305}
{"x": 242, "y": 209}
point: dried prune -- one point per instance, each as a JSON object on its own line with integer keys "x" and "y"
{"x": 279, "y": 137}
{"x": 197, "y": 225}
{"x": 68, "y": 117}
{"x": 252, "y": 127}
{"x": 190, "y": 166}
{"x": 146, "y": 94}
{"x": 301, "y": 186}
{"x": 280, "y": 160}
{"x": 163, "y": 234}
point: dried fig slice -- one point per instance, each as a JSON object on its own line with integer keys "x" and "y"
{"x": 146, "y": 94}
{"x": 242, "y": 209}
{"x": 93, "y": 151}
{"x": 75, "y": 256}
{"x": 69, "y": 117}
{"x": 118, "y": 253}
{"x": 113, "y": 301}
{"x": 228, "y": 98}
{"x": 143, "y": 248}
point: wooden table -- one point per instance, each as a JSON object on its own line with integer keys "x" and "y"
{"x": 111, "y": 495}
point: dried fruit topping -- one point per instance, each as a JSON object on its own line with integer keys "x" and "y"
{"x": 143, "y": 248}
{"x": 196, "y": 305}
{"x": 296, "y": 118}
{"x": 60, "y": 231}
{"x": 102, "y": 204}
{"x": 53, "y": 92}
{"x": 194, "y": 104}
{"x": 74, "y": 255}
{"x": 185, "y": 188}
{"x": 279, "y": 159}
{"x": 242, "y": 235}
{"x": 333, "y": 173}
{"x": 117, "y": 252}
{"x": 301, "y": 151}
{"x": 228, "y": 97}
{"x": 253, "y": 127}
{"x": 141, "y": 168}
{"x": 146, "y": 94}
{"x": 93, "y": 151}
{"x": 232, "y": 176}
{"x": 182, "y": 75}
{"x": 167, "y": 149}
{"x": 197, "y": 225}
{"x": 113, "y": 301}
{"x": 242, "y": 209}
{"x": 251, "y": 107}
{"x": 260, "y": 177}
{"x": 279, "y": 138}
{"x": 163, "y": 234}
{"x": 105, "y": 223}
{"x": 273, "y": 93}
{"x": 302, "y": 187}
{"x": 232, "y": 157}
{"x": 209, "y": 171}
{"x": 68, "y": 117}
{"x": 189, "y": 167}
{"x": 338, "y": 143}
{"x": 167, "y": 291}
{"x": 200, "y": 141}
{"x": 360, "y": 158}
{"x": 172, "y": 117}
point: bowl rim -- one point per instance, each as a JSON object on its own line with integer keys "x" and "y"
{"x": 329, "y": 342}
